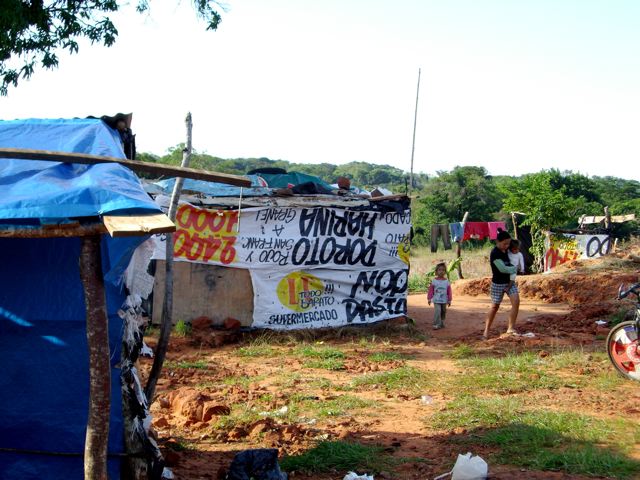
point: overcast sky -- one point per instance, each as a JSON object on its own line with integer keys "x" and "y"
{"x": 514, "y": 86}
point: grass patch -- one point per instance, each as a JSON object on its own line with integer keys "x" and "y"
{"x": 319, "y": 352}
{"x": 182, "y": 328}
{"x": 197, "y": 364}
{"x": 418, "y": 283}
{"x": 512, "y": 373}
{"x": 591, "y": 369}
{"x": 242, "y": 380}
{"x": 325, "y": 364}
{"x": 257, "y": 349}
{"x": 462, "y": 351}
{"x": 321, "y": 356}
{"x": 243, "y": 415}
{"x": 335, "y": 407}
{"x": 408, "y": 379}
{"x": 379, "y": 357}
{"x": 545, "y": 440}
{"x": 340, "y": 456}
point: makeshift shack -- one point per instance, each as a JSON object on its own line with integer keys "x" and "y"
{"x": 280, "y": 260}
{"x": 48, "y": 210}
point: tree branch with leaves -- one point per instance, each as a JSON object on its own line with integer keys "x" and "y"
{"x": 33, "y": 32}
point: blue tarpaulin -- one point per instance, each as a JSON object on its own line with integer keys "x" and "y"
{"x": 215, "y": 189}
{"x": 44, "y": 376}
{"x": 39, "y": 189}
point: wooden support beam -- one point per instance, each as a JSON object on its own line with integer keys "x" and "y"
{"x": 147, "y": 167}
{"x": 130, "y": 226}
{"x": 51, "y": 231}
{"x": 114, "y": 225}
{"x": 97, "y": 435}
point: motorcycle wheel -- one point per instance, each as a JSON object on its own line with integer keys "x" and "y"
{"x": 623, "y": 350}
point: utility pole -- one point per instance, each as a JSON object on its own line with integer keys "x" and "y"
{"x": 413, "y": 144}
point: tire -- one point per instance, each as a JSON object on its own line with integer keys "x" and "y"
{"x": 623, "y": 350}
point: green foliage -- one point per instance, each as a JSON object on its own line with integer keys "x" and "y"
{"x": 418, "y": 283}
{"x": 408, "y": 379}
{"x": 446, "y": 198}
{"x": 543, "y": 199}
{"x": 545, "y": 439}
{"x": 182, "y": 328}
{"x": 33, "y": 32}
{"x": 339, "y": 456}
{"x": 197, "y": 364}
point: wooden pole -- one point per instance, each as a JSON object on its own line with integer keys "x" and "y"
{"x": 607, "y": 219}
{"x": 96, "y": 439}
{"x": 167, "y": 304}
{"x": 515, "y": 225}
{"x": 459, "y": 245}
{"x": 147, "y": 167}
{"x": 413, "y": 143}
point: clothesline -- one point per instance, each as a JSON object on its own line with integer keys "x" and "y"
{"x": 460, "y": 232}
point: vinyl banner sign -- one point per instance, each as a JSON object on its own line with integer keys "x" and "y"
{"x": 310, "y": 267}
{"x": 326, "y": 298}
{"x": 562, "y": 248}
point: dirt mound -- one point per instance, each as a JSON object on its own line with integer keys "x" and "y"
{"x": 572, "y": 288}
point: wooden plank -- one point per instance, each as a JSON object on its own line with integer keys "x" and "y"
{"x": 50, "y": 231}
{"x": 129, "y": 226}
{"x": 116, "y": 226}
{"x": 148, "y": 167}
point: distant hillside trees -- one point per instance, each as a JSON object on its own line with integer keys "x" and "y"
{"x": 550, "y": 199}
{"x": 445, "y": 199}
{"x": 362, "y": 174}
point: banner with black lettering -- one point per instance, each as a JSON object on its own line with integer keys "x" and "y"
{"x": 291, "y": 251}
{"x": 327, "y": 298}
{"x": 290, "y": 238}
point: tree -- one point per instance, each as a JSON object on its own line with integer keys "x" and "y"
{"x": 545, "y": 204}
{"x": 447, "y": 197}
{"x": 32, "y": 32}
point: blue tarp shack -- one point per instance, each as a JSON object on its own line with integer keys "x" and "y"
{"x": 44, "y": 377}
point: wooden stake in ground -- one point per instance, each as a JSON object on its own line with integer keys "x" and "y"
{"x": 459, "y": 245}
{"x": 96, "y": 440}
{"x": 167, "y": 305}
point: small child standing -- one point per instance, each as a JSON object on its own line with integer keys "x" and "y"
{"x": 440, "y": 295}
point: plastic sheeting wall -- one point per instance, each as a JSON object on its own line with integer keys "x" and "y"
{"x": 44, "y": 377}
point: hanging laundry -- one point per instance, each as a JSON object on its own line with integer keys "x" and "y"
{"x": 476, "y": 230}
{"x": 437, "y": 231}
{"x": 457, "y": 231}
{"x": 493, "y": 229}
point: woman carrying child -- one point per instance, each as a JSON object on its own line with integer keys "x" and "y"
{"x": 440, "y": 295}
{"x": 501, "y": 283}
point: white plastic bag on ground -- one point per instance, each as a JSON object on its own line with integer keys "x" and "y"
{"x": 355, "y": 476}
{"x": 469, "y": 467}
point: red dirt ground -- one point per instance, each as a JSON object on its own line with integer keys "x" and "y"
{"x": 558, "y": 309}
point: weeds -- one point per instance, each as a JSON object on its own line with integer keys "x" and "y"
{"x": 257, "y": 349}
{"x": 341, "y": 456}
{"x": 387, "y": 357}
{"x": 341, "y": 405}
{"x": 462, "y": 351}
{"x": 197, "y": 364}
{"x": 182, "y": 328}
{"x": 512, "y": 373}
{"x": 408, "y": 379}
{"x": 325, "y": 364}
{"x": 545, "y": 440}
